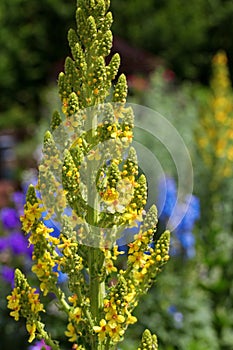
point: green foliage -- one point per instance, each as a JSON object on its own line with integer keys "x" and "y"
{"x": 30, "y": 46}
{"x": 185, "y": 35}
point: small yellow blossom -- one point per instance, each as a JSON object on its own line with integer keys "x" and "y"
{"x": 33, "y": 299}
{"x": 116, "y": 333}
{"x": 31, "y": 214}
{"x": 14, "y": 303}
{"x": 67, "y": 245}
{"x": 41, "y": 231}
{"x": 31, "y": 328}
{"x": 113, "y": 318}
{"x": 71, "y": 332}
{"x": 76, "y": 314}
{"x": 102, "y": 329}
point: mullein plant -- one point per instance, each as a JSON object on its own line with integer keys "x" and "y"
{"x": 91, "y": 189}
{"x": 215, "y": 146}
{"x": 214, "y": 137}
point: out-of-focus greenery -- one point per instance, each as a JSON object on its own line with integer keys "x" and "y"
{"x": 32, "y": 40}
{"x": 214, "y": 166}
{"x": 185, "y": 34}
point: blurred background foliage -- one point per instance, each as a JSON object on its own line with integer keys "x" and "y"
{"x": 33, "y": 43}
{"x": 191, "y": 306}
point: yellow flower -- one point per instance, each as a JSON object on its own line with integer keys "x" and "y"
{"x": 14, "y": 303}
{"x": 131, "y": 319}
{"x": 33, "y": 299}
{"x": 101, "y": 329}
{"x": 41, "y": 231}
{"x": 116, "y": 333}
{"x": 31, "y": 328}
{"x": 110, "y": 266}
{"x": 131, "y": 217}
{"x": 138, "y": 259}
{"x": 66, "y": 246}
{"x": 32, "y": 213}
{"x": 73, "y": 299}
{"x": 71, "y": 333}
{"x": 76, "y": 314}
{"x": 113, "y": 318}
{"x": 26, "y": 224}
{"x": 110, "y": 195}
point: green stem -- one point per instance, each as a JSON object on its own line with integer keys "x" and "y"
{"x": 95, "y": 255}
{"x": 54, "y": 345}
{"x": 61, "y": 297}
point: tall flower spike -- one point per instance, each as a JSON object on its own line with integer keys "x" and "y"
{"x": 92, "y": 192}
{"x": 215, "y": 133}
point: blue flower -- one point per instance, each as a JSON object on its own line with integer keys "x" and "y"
{"x": 177, "y": 316}
{"x": 167, "y": 197}
{"x": 181, "y": 216}
{"x": 50, "y": 224}
{"x": 62, "y": 277}
{"x": 189, "y": 213}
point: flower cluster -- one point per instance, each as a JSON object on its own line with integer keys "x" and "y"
{"x": 182, "y": 216}
{"x": 24, "y": 301}
{"x": 91, "y": 190}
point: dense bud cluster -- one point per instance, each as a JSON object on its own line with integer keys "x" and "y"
{"x": 92, "y": 191}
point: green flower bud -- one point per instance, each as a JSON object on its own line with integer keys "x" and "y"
{"x": 31, "y": 195}
{"x": 151, "y": 219}
{"x": 56, "y": 120}
{"x": 73, "y": 104}
{"x": 149, "y": 341}
{"x": 120, "y": 91}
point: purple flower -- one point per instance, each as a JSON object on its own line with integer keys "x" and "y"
{"x": 7, "y": 274}
{"x": 18, "y": 243}
{"x": 19, "y": 199}
{"x": 9, "y": 218}
{"x": 39, "y": 345}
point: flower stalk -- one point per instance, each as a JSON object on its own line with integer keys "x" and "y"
{"x": 91, "y": 190}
